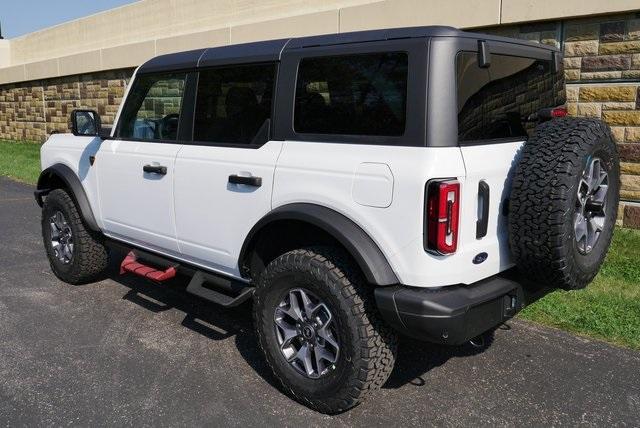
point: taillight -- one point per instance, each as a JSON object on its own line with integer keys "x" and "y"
{"x": 549, "y": 113}
{"x": 443, "y": 209}
{"x": 559, "y": 112}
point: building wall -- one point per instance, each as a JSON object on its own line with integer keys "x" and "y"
{"x": 33, "y": 110}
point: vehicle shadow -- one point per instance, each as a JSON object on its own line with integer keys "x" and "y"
{"x": 414, "y": 360}
{"x": 207, "y": 319}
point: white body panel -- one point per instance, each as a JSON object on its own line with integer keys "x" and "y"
{"x": 74, "y": 152}
{"x": 324, "y": 174}
{"x": 214, "y": 216}
{"x": 494, "y": 164}
{"x": 195, "y": 215}
{"x": 138, "y": 206}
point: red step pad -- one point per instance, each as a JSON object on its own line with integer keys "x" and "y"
{"x": 130, "y": 264}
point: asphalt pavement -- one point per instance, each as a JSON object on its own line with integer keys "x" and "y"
{"x": 123, "y": 351}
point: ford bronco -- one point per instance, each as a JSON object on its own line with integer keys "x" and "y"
{"x": 422, "y": 181}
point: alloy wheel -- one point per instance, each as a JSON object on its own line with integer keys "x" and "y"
{"x": 61, "y": 237}
{"x": 590, "y": 215}
{"x": 306, "y": 334}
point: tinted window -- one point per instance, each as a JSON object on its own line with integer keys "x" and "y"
{"x": 233, "y": 103}
{"x": 495, "y": 102}
{"x": 152, "y": 109}
{"x": 352, "y": 95}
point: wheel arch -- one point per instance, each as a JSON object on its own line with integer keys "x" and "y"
{"x": 324, "y": 224}
{"x": 61, "y": 176}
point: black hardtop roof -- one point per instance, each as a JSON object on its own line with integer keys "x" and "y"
{"x": 271, "y": 50}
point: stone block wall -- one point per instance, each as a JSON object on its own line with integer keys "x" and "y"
{"x": 33, "y": 110}
{"x": 164, "y": 97}
{"x": 602, "y": 73}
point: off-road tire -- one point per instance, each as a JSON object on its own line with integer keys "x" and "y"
{"x": 90, "y": 255}
{"x": 368, "y": 346}
{"x": 543, "y": 199}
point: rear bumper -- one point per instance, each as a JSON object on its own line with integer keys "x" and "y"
{"x": 453, "y": 315}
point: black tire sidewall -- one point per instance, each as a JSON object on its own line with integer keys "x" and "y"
{"x": 271, "y": 295}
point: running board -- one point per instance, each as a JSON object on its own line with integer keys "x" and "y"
{"x": 214, "y": 288}
{"x": 132, "y": 265}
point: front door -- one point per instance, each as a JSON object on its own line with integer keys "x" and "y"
{"x": 136, "y": 169}
{"x": 223, "y": 180}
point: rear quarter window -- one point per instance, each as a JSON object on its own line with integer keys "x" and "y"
{"x": 495, "y": 102}
{"x": 363, "y": 94}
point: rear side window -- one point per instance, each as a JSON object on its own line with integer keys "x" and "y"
{"x": 364, "y": 94}
{"x": 152, "y": 109}
{"x": 495, "y": 102}
{"x": 233, "y": 103}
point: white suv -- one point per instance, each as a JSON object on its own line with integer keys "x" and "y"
{"x": 354, "y": 185}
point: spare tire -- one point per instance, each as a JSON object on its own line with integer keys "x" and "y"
{"x": 564, "y": 202}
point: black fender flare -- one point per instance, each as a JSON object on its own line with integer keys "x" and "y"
{"x": 355, "y": 240}
{"x": 73, "y": 184}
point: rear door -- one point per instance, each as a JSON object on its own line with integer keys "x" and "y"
{"x": 224, "y": 178}
{"x": 494, "y": 108}
{"x": 136, "y": 169}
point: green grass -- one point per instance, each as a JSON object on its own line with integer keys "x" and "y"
{"x": 609, "y": 308}
{"x": 20, "y": 160}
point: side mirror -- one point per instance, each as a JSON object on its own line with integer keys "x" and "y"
{"x": 85, "y": 123}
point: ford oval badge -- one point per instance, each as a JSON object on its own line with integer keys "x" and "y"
{"x": 480, "y": 258}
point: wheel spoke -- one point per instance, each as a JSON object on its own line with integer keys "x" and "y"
{"x": 590, "y": 214}
{"x": 601, "y": 193}
{"x": 596, "y": 223}
{"x": 304, "y": 356}
{"x": 581, "y": 231}
{"x": 594, "y": 227}
{"x": 321, "y": 314}
{"x": 588, "y": 174}
{"x": 293, "y": 309}
{"x": 288, "y": 332}
{"x": 583, "y": 192}
{"x": 327, "y": 336}
{"x": 580, "y": 228}
{"x": 595, "y": 175}
{"x": 59, "y": 221}
{"x": 322, "y": 354}
{"x": 306, "y": 304}
{"x": 56, "y": 248}
{"x": 66, "y": 252}
{"x": 603, "y": 180}
{"x": 55, "y": 232}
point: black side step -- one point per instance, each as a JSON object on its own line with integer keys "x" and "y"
{"x": 239, "y": 292}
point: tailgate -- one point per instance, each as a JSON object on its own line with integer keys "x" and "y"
{"x": 489, "y": 171}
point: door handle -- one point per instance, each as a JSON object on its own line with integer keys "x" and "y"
{"x": 249, "y": 181}
{"x": 155, "y": 169}
{"x": 483, "y": 219}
